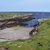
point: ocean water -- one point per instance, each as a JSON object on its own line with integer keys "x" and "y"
{"x": 37, "y": 15}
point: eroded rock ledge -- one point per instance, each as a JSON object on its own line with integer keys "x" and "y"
{"x": 15, "y": 21}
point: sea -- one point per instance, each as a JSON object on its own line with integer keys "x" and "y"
{"x": 37, "y": 15}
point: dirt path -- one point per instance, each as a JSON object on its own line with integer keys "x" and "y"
{"x": 11, "y": 34}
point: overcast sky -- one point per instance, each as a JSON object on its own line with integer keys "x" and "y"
{"x": 25, "y": 5}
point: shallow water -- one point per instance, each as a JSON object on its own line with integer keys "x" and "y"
{"x": 31, "y": 23}
{"x": 37, "y": 15}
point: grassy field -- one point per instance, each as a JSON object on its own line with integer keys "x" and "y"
{"x": 9, "y": 15}
{"x": 40, "y": 41}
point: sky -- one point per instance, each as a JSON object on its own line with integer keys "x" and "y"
{"x": 24, "y": 5}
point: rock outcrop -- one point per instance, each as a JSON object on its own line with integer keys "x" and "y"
{"x": 14, "y": 21}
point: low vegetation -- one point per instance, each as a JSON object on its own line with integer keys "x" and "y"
{"x": 10, "y": 15}
{"x": 17, "y": 27}
{"x": 40, "y": 41}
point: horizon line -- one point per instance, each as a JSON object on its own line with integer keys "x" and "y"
{"x": 20, "y": 11}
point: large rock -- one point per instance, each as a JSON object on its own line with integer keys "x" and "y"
{"x": 11, "y": 34}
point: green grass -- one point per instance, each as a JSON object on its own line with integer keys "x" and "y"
{"x": 40, "y": 41}
{"x": 9, "y": 15}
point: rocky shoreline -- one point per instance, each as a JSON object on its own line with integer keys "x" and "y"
{"x": 10, "y": 22}
{"x": 8, "y": 33}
